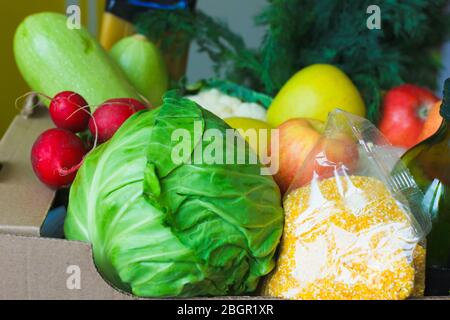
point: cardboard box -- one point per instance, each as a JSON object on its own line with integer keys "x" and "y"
{"x": 31, "y": 266}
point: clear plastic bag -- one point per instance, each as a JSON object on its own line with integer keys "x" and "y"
{"x": 353, "y": 230}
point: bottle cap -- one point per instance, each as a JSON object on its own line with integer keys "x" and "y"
{"x": 445, "y": 107}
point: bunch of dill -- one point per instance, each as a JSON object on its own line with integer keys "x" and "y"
{"x": 303, "y": 32}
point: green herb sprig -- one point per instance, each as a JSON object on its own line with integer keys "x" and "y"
{"x": 304, "y": 32}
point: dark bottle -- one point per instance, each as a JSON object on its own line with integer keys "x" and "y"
{"x": 120, "y": 15}
{"x": 429, "y": 163}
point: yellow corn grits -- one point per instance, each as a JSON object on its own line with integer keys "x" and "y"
{"x": 346, "y": 238}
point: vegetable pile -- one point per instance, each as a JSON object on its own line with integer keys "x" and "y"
{"x": 159, "y": 228}
{"x": 166, "y": 221}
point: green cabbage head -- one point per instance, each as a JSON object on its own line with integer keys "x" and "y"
{"x": 162, "y": 228}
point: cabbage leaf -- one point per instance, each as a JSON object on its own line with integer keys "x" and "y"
{"x": 160, "y": 228}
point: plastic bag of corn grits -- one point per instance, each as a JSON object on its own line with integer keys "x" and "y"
{"x": 353, "y": 230}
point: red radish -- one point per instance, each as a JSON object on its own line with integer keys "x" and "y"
{"x": 110, "y": 116}
{"x": 129, "y": 101}
{"x": 56, "y": 157}
{"x": 66, "y": 111}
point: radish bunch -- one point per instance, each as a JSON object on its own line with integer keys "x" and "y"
{"x": 58, "y": 153}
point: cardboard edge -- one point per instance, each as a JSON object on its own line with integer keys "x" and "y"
{"x": 29, "y": 271}
{"x": 51, "y": 269}
{"x": 25, "y": 201}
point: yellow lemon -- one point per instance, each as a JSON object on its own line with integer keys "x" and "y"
{"x": 314, "y": 92}
{"x": 255, "y": 132}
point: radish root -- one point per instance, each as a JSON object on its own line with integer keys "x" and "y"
{"x": 31, "y": 102}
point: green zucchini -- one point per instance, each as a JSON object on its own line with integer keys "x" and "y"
{"x": 144, "y": 66}
{"x": 53, "y": 58}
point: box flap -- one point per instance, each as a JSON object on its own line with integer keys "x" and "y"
{"x": 51, "y": 269}
{"x": 39, "y": 268}
{"x": 24, "y": 201}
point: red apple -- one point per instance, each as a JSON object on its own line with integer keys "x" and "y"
{"x": 405, "y": 110}
{"x": 303, "y": 152}
{"x": 297, "y": 137}
{"x": 330, "y": 156}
